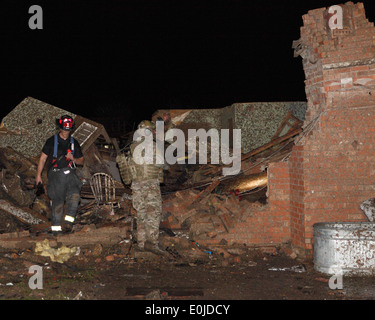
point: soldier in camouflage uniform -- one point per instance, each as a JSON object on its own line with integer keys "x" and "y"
{"x": 146, "y": 196}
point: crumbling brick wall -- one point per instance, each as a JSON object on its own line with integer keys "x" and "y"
{"x": 332, "y": 167}
{"x": 267, "y": 224}
{"x": 216, "y": 220}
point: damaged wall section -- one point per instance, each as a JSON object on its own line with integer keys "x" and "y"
{"x": 219, "y": 219}
{"x": 238, "y": 211}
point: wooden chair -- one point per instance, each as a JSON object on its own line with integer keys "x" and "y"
{"x": 104, "y": 190}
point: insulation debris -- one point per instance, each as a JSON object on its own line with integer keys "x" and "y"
{"x": 59, "y": 255}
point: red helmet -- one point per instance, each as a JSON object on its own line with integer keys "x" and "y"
{"x": 65, "y": 123}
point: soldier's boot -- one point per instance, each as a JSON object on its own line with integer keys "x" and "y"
{"x": 154, "y": 248}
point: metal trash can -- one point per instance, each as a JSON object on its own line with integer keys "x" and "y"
{"x": 344, "y": 248}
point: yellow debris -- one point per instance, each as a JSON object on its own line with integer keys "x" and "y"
{"x": 59, "y": 255}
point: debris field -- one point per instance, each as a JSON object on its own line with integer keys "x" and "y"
{"x": 243, "y": 236}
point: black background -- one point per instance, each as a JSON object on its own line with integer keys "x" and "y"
{"x": 134, "y": 57}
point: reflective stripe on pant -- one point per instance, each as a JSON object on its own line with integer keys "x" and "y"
{"x": 72, "y": 202}
{"x": 56, "y": 228}
{"x": 69, "y": 219}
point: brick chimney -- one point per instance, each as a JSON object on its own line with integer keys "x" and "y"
{"x": 332, "y": 166}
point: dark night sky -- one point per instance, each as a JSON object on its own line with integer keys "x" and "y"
{"x": 137, "y": 56}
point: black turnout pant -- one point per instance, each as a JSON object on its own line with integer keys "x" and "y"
{"x": 63, "y": 189}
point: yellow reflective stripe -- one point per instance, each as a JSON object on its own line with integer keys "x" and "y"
{"x": 56, "y": 228}
{"x": 69, "y": 218}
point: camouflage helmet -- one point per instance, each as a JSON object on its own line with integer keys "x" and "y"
{"x": 146, "y": 124}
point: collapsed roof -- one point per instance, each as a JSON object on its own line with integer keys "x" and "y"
{"x": 32, "y": 122}
{"x": 258, "y": 121}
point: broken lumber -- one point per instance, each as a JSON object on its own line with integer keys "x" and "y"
{"x": 24, "y": 215}
{"x": 88, "y": 235}
{"x": 226, "y": 220}
{"x": 14, "y": 161}
{"x": 271, "y": 143}
{"x": 204, "y": 193}
{"x": 287, "y": 122}
{"x": 214, "y": 170}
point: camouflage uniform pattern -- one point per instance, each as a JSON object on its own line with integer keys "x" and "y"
{"x": 148, "y": 204}
{"x": 146, "y": 194}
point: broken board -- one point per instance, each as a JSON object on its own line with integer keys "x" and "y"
{"x": 24, "y": 214}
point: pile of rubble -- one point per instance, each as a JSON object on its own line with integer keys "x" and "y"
{"x": 200, "y": 206}
{"x": 17, "y": 187}
{"x": 191, "y": 217}
{"x": 203, "y": 215}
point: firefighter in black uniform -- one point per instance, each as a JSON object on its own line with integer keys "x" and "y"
{"x": 62, "y": 153}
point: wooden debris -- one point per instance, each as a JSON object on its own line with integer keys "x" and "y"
{"x": 14, "y": 161}
{"x": 205, "y": 192}
{"x": 290, "y": 122}
{"x": 25, "y": 215}
{"x": 208, "y": 171}
{"x": 272, "y": 143}
{"x": 11, "y": 185}
{"x": 206, "y": 219}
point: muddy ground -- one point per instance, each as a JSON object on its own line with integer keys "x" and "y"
{"x": 120, "y": 272}
{"x": 111, "y": 274}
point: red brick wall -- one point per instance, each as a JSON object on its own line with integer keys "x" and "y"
{"x": 297, "y": 218}
{"x": 332, "y": 168}
{"x": 267, "y": 224}
{"x": 277, "y": 226}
